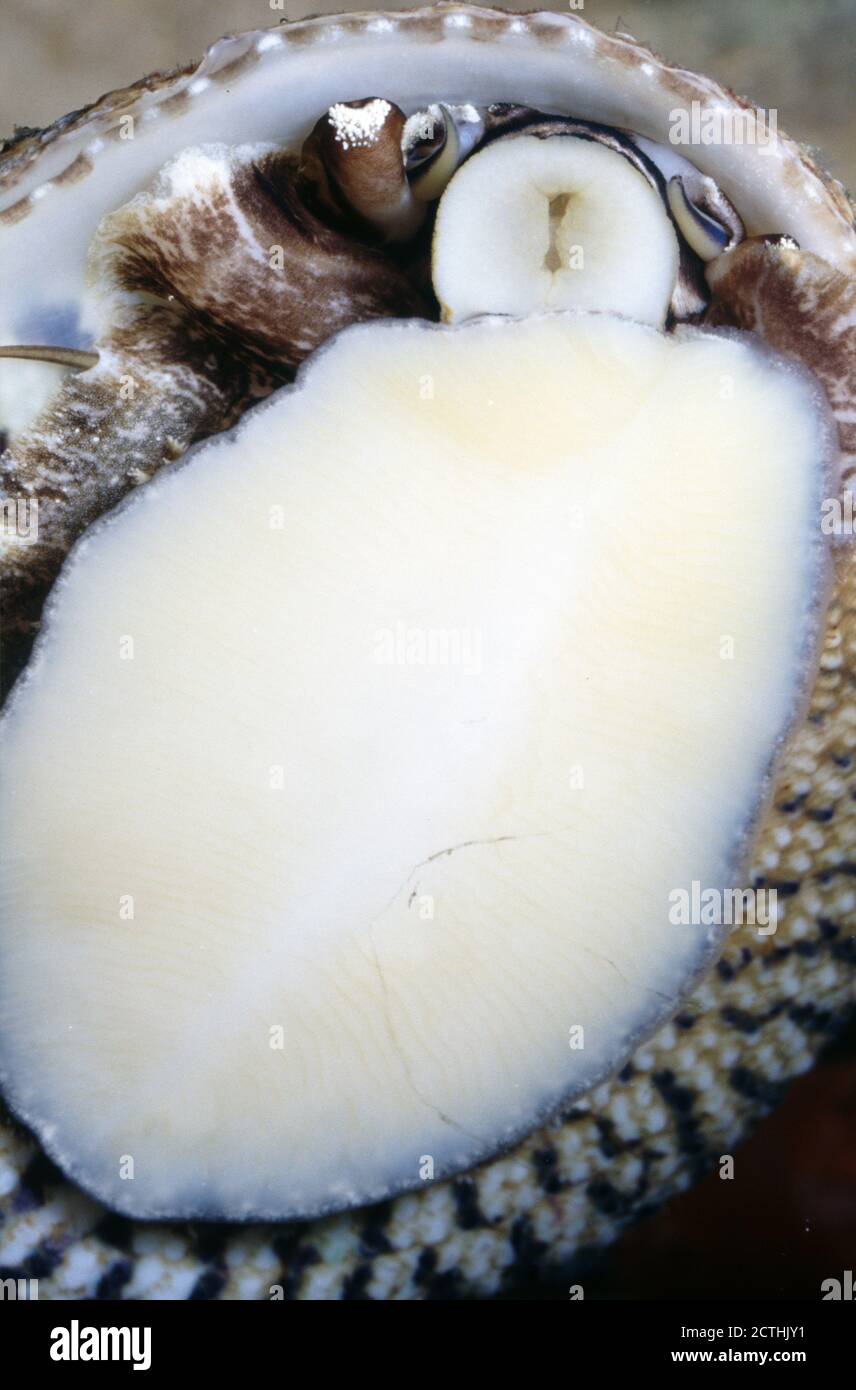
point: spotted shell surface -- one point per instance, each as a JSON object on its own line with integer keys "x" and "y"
{"x": 760, "y": 1018}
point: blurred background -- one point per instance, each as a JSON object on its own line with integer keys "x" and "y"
{"x": 796, "y": 55}
{"x": 796, "y": 1202}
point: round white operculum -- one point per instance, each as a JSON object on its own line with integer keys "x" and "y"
{"x": 364, "y": 750}
{"x": 555, "y": 223}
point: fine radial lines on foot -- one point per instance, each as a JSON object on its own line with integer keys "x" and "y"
{"x": 364, "y": 747}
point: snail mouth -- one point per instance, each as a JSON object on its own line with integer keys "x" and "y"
{"x": 557, "y": 212}
{"x": 400, "y": 707}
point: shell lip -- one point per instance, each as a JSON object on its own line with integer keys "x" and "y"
{"x": 18, "y": 155}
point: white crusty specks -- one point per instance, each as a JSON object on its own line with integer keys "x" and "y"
{"x": 358, "y": 126}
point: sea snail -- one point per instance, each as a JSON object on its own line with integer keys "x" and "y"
{"x": 393, "y": 724}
